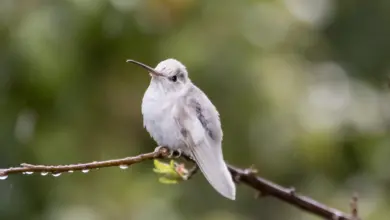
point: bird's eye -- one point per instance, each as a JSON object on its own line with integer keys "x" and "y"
{"x": 173, "y": 78}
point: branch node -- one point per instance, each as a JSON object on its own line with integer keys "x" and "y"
{"x": 162, "y": 151}
{"x": 250, "y": 171}
{"x": 292, "y": 191}
{"x": 336, "y": 217}
{"x": 237, "y": 178}
{"x": 260, "y": 194}
{"x": 26, "y": 165}
{"x": 354, "y": 207}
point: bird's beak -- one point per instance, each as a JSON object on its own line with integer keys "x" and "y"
{"x": 148, "y": 68}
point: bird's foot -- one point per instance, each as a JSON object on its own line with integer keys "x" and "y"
{"x": 169, "y": 153}
{"x": 165, "y": 151}
{"x": 176, "y": 153}
{"x": 158, "y": 148}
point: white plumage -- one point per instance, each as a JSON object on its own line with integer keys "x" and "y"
{"x": 178, "y": 115}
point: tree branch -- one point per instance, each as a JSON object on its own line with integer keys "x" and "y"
{"x": 245, "y": 176}
{"x": 289, "y": 195}
{"x": 29, "y": 168}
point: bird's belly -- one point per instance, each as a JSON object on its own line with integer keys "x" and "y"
{"x": 162, "y": 127}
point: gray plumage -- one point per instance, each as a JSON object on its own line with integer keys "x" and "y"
{"x": 177, "y": 114}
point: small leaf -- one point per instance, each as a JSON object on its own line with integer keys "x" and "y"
{"x": 166, "y": 180}
{"x": 182, "y": 171}
{"x": 157, "y": 170}
{"x": 172, "y": 172}
{"x": 161, "y": 167}
{"x": 172, "y": 164}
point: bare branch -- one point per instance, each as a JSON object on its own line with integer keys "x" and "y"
{"x": 288, "y": 195}
{"x": 29, "y": 168}
{"x": 245, "y": 176}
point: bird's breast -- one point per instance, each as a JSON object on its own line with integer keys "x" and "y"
{"x": 159, "y": 120}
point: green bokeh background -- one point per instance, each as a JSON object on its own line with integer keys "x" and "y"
{"x": 301, "y": 86}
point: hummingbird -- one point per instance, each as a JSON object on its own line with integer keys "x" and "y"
{"x": 178, "y": 115}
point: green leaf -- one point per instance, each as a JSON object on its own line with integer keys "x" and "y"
{"x": 166, "y": 180}
{"x": 172, "y": 164}
{"x": 161, "y": 167}
{"x": 171, "y": 172}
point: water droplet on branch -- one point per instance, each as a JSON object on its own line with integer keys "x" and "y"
{"x": 123, "y": 166}
{"x": 4, "y": 177}
{"x": 85, "y": 171}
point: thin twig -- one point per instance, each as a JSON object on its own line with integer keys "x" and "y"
{"x": 354, "y": 207}
{"x": 194, "y": 170}
{"x": 245, "y": 176}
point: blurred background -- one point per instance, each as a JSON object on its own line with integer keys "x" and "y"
{"x": 301, "y": 85}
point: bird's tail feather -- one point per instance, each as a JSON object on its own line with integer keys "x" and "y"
{"x": 214, "y": 168}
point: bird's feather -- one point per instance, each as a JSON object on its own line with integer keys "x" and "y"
{"x": 211, "y": 163}
{"x": 203, "y": 138}
{"x": 206, "y": 113}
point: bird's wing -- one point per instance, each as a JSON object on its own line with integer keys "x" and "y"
{"x": 201, "y": 129}
{"x": 206, "y": 114}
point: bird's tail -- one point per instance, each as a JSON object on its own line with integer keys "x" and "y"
{"x": 211, "y": 163}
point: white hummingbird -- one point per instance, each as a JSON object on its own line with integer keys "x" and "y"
{"x": 178, "y": 115}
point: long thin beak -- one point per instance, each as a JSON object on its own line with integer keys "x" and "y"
{"x": 148, "y": 68}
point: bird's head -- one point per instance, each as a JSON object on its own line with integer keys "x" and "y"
{"x": 169, "y": 75}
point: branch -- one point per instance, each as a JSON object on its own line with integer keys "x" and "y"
{"x": 289, "y": 195}
{"x": 84, "y": 167}
{"x": 245, "y": 176}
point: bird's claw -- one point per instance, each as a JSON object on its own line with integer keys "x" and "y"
{"x": 158, "y": 148}
{"x": 164, "y": 151}
{"x": 176, "y": 154}
{"x": 170, "y": 153}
